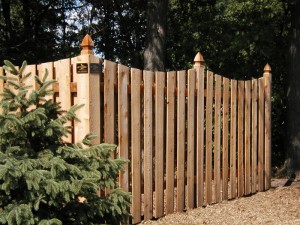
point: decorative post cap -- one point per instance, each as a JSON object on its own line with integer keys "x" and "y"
{"x": 267, "y": 68}
{"x": 199, "y": 60}
{"x": 87, "y": 45}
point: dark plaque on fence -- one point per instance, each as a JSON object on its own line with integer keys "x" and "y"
{"x": 95, "y": 68}
{"x": 82, "y": 68}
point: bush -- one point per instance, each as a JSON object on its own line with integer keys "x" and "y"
{"x": 44, "y": 180}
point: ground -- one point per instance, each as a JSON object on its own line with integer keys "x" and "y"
{"x": 279, "y": 205}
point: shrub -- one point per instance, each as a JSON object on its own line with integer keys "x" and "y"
{"x": 44, "y": 180}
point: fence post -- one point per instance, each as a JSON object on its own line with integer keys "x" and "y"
{"x": 87, "y": 69}
{"x": 268, "y": 83}
{"x": 199, "y": 66}
{"x": 199, "y": 61}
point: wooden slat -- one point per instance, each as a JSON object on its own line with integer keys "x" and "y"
{"x": 267, "y": 162}
{"x": 30, "y": 81}
{"x": 159, "y": 143}
{"x": 170, "y": 142}
{"x": 247, "y": 137}
{"x": 148, "y": 146}
{"x": 200, "y": 137}
{"x": 42, "y": 68}
{"x": 123, "y": 129}
{"x": 11, "y": 87}
{"x": 181, "y": 79}
{"x": 241, "y": 99}
{"x": 225, "y": 138}
{"x": 74, "y": 89}
{"x": 261, "y": 131}
{"x": 109, "y": 104}
{"x": 10, "y": 75}
{"x": 191, "y": 140}
{"x": 254, "y": 138}
{"x": 136, "y": 76}
{"x": 208, "y": 162}
{"x": 217, "y": 139}
{"x": 233, "y": 130}
{"x": 95, "y": 122}
{"x": 81, "y": 128}
{"x": 62, "y": 67}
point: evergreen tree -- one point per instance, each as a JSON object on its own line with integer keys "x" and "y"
{"x": 44, "y": 180}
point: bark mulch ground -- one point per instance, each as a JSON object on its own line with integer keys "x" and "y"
{"x": 279, "y": 205}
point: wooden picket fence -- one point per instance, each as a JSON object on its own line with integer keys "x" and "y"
{"x": 193, "y": 137}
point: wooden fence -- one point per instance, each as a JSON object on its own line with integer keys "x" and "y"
{"x": 193, "y": 138}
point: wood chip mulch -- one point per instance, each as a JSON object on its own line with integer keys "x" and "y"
{"x": 279, "y": 205}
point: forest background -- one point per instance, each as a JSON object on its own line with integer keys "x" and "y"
{"x": 236, "y": 38}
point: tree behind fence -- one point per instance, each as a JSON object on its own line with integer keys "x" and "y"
{"x": 192, "y": 137}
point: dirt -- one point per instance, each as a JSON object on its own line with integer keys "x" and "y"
{"x": 279, "y": 205}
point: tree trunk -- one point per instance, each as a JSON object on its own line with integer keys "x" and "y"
{"x": 293, "y": 94}
{"x": 154, "y": 55}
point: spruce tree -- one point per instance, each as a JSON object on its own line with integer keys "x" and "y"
{"x": 44, "y": 180}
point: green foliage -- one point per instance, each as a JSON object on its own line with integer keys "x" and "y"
{"x": 25, "y": 27}
{"x": 42, "y": 177}
{"x": 237, "y": 39}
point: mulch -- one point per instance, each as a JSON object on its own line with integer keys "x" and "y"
{"x": 279, "y": 205}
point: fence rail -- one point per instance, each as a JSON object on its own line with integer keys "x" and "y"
{"x": 192, "y": 137}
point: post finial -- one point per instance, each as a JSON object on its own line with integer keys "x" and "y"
{"x": 267, "y": 68}
{"x": 87, "y": 45}
{"x": 199, "y": 60}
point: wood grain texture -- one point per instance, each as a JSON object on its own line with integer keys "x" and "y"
{"x": 148, "y": 145}
{"x": 159, "y": 143}
{"x": 170, "y": 142}
{"x": 200, "y": 138}
{"x": 181, "y": 81}
{"x": 136, "y": 206}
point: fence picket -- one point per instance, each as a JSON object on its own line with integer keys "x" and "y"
{"x": 209, "y": 121}
{"x": 261, "y": 110}
{"x": 148, "y": 145}
{"x": 267, "y": 134}
{"x": 42, "y": 68}
{"x": 62, "y": 73}
{"x": 247, "y": 136}
{"x": 254, "y": 137}
{"x": 159, "y": 143}
{"x": 181, "y": 81}
{"x": 200, "y": 137}
{"x": 95, "y": 121}
{"x": 233, "y": 130}
{"x": 225, "y": 138}
{"x": 191, "y": 139}
{"x": 109, "y": 104}
{"x": 62, "y": 69}
{"x": 123, "y": 128}
{"x": 170, "y": 142}
{"x": 136, "y": 76}
{"x": 217, "y": 139}
{"x": 241, "y": 99}
{"x": 30, "y": 81}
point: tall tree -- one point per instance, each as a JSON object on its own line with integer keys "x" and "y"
{"x": 118, "y": 29}
{"x": 37, "y": 30}
{"x": 293, "y": 93}
{"x": 155, "y": 50}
